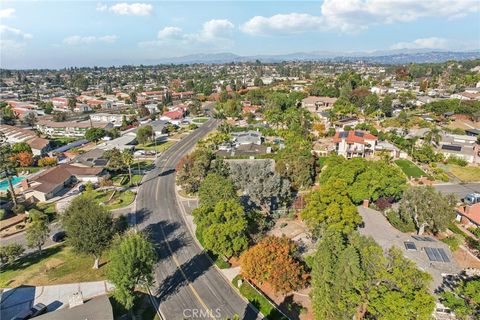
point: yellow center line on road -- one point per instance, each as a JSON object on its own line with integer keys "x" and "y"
{"x": 174, "y": 258}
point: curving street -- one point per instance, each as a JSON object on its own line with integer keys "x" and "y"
{"x": 187, "y": 285}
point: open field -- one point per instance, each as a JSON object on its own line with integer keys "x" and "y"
{"x": 465, "y": 174}
{"x": 58, "y": 264}
{"x": 409, "y": 168}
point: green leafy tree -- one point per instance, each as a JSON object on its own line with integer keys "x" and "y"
{"x": 89, "y": 226}
{"x": 115, "y": 160}
{"x": 216, "y": 188}
{"x": 37, "y": 234}
{"x": 427, "y": 208}
{"x": 353, "y": 279}
{"x": 30, "y": 119}
{"x": 21, "y": 146}
{"x": 132, "y": 260}
{"x": 222, "y": 229}
{"x": 330, "y": 209}
{"x": 8, "y": 166}
{"x": 387, "y": 105}
{"x": 95, "y": 134}
{"x": 144, "y": 134}
{"x": 193, "y": 168}
{"x": 11, "y": 252}
{"x": 463, "y": 298}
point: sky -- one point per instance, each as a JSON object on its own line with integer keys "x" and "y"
{"x": 57, "y": 34}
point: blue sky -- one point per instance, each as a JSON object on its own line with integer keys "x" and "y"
{"x": 56, "y": 34}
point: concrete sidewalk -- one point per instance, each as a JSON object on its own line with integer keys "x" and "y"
{"x": 14, "y": 300}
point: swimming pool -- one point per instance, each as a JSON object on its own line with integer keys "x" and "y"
{"x": 15, "y": 180}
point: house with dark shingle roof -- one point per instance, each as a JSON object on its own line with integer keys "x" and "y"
{"x": 53, "y": 181}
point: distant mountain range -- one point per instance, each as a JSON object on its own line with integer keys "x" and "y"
{"x": 382, "y": 57}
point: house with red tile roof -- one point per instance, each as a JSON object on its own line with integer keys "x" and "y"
{"x": 469, "y": 215}
{"x": 354, "y": 143}
{"x": 175, "y": 116}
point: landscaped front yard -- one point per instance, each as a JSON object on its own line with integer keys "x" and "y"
{"x": 160, "y": 147}
{"x": 119, "y": 199}
{"x": 465, "y": 174}
{"x": 58, "y": 264}
{"x": 410, "y": 169}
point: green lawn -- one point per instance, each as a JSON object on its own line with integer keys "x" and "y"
{"x": 29, "y": 169}
{"x": 199, "y": 120}
{"x": 161, "y": 146}
{"x": 58, "y": 264}
{"x": 410, "y": 169}
{"x": 465, "y": 174}
{"x": 120, "y": 199}
{"x": 122, "y": 179}
{"x": 61, "y": 141}
{"x": 143, "y": 165}
{"x": 258, "y": 300}
{"x": 48, "y": 208}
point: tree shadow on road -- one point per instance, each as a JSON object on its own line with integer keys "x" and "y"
{"x": 187, "y": 273}
{"x": 166, "y": 238}
{"x": 138, "y": 216}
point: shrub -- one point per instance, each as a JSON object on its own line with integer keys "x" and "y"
{"x": 453, "y": 241}
{"x": 456, "y": 160}
{"x": 384, "y": 203}
{"x": 400, "y": 224}
{"x": 475, "y": 231}
{"x": 10, "y": 252}
{"x": 19, "y": 208}
{"x": 3, "y": 214}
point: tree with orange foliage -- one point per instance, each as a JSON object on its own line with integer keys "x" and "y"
{"x": 273, "y": 261}
{"x": 24, "y": 158}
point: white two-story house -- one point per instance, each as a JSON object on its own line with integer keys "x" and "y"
{"x": 355, "y": 143}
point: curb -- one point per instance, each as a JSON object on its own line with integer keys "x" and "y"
{"x": 183, "y": 213}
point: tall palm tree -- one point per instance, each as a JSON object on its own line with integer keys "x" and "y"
{"x": 127, "y": 158}
{"x": 434, "y": 136}
{"x": 7, "y": 167}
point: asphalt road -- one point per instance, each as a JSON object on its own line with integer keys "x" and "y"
{"x": 187, "y": 285}
{"x": 460, "y": 190}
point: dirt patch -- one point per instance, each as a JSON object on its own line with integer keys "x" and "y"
{"x": 465, "y": 259}
{"x": 53, "y": 263}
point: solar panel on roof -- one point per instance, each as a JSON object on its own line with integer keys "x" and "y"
{"x": 451, "y": 147}
{"x": 430, "y": 254}
{"x": 444, "y": 255}
{"x": 410, "y": 245}
{"x": 359, "y": 133}
{"x": 436, "y": 254}
{"x": 343, "y": 134}
{"x": 419, "y": 238}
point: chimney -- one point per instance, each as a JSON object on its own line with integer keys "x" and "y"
{"x": 25, "y": 185}
{"x": 366, "y": 202}
{"x": 75, "y": 300}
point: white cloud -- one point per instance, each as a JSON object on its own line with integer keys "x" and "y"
{"x": 214, "y": 33}
{"x": 124, "y": 8}
{"x": 169, "y": 33}
{"x": 351, "y": 15}
{"x": 7, "y": 13}
{"x": 12, "y": 40}
{"x": 436, "y": 43}
{"x": 356, "y": 15}
{"x": 291, "y": 23}
{"x": 217, "y": 29}
{"x": 10, "y": 33}
{"x": 77, "y": 40}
